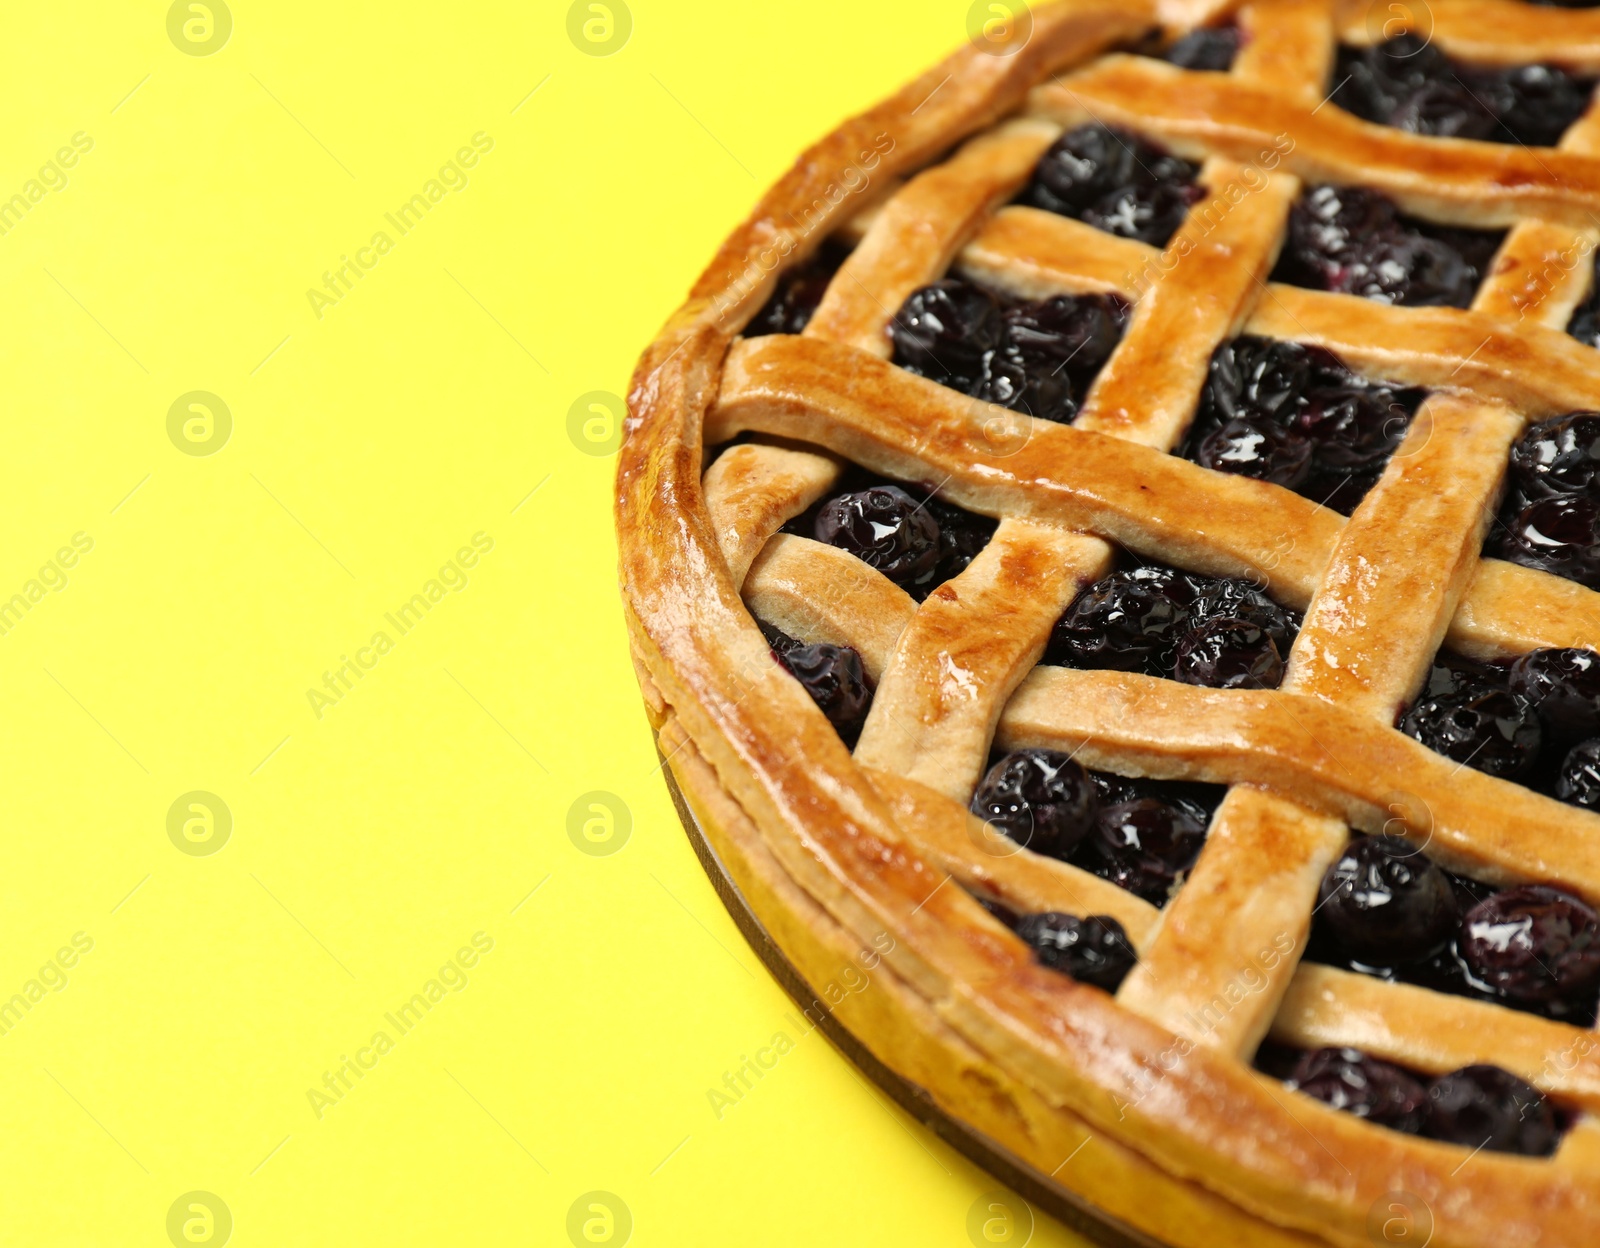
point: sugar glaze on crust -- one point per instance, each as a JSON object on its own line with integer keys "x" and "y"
{"x": 860, "y": 851}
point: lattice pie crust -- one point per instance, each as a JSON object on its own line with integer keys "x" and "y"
{"x": 1147, "y": 1101}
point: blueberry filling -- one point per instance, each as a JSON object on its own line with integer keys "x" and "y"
{"x": 917, "y": 540}
{"x": 1477, "y": 1107}
{"x": 1551, "y": 516}
{"x": 1142, "y": 835}
{"x": 1385, "y": 909}
{"x": 1223, "y": 633}
{"x": 1354, "y": 241}
{"x": 1489, "y": 728}
{"x": 1094, "y": 950}
{"x": 1535, "y": 720}
{"x": 1034, "y": 357}
{"x": 1411, "y": 84}
{"x": 1040, "y": 799}
{"x": 1349, "y": 1080}
{"x": 1534, "y": 945}
{"x": 1490, "y": 1108}
{"x": 1295, "y": 416}
{"x": 831, "y": 674}
{"x": 1115, "y": 181}
{"x": 799, "y": 291}
{"x": 1585, "y": 322}
{"x": 1209, "y": 48}
{"x": 1147, "y": 844}
{"x": 1385, "y": 904}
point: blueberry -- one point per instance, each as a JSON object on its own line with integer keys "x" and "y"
{"x": 798, "y": 293}
{"x": 1409, "y": 83}
{"x": 1559, "y": 456}
{"x": 1235, "y": 598}
{"x": 1146, "y": 845}
{"x": 1039, "y": 798}
{"x": 1126, "y": 621}
{"x": 1533, "y": 945}
{"x": 1557, "y": 535}
{"x": 942, "y": 331}
{"x": 1148, "y": 214}
{"x": 1210, "y": 48}
{"x": 1070, "y": 334}
{"x": 1384, "y": 903}
{"x": 1447, "y": 110}
{"x": 1255, "y": 448}
{"x": 834, "y": 678}
{"x": 1375, "y": 81}
{"x": 1094, "y": 950}
{"x": 1564, "y": 685}
{"x": 1358, "y": 1084}
{"x": 1578, "y": 781}
{"x": 1261, "y": 377}
{"x": 1228, "y": 654}
{"x": 962, "y": 536}
{"x": 1116, "y": 181}
{"x": 1491, "y": 729}
{"x": 1538, "y": 103}
{"x": 1354, "y": 427}
{"x": 1490, "y": 1108}
{"x": 886, "y": 528}
{"x": 1353, "y": 241}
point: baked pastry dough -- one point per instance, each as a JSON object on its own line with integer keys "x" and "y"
{"x": 1144, "y": 1103}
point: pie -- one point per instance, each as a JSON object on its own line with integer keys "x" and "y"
{"x": 1111, "y": 550}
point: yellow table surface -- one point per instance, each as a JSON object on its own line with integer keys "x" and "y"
{"x": 310, "y": 642}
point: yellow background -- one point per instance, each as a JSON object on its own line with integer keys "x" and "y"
{"x": 367, "y": 447}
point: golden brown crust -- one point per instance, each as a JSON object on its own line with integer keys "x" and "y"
{"x": 1194, "y": 1141}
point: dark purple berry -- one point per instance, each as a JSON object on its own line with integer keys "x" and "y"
{"x": 1375, "y": 81}
{"x": 1210, "y": 48}
{"x": 1094, "y": 950}
{"x": 1116, "y": 181}
{"x": 1358, "y": 1084}
{"x": 1353, "y": 241}
{"x": 1557, "y": 535}
{"x": 1490, "y": 1108}
{"x": 1147, "y": 845}
{"x": 1073, "y": 335}
{"x": 886, "y": 528}
{"x": 1578, "y": 781}
{"x": 943, "y": 331}
{"x": 1125, "y": 621}
{"x": 1491, "y": 729}
{"x": 799, "y": 291}
{"x": 1040, "y": 799}
{"x": 1263, "y": 377}
{"x": 1533, "y": 945}
{"x": 1228, "y": 654}
{"x": 1254, "y": 448}
{"x": 1238, "y": 599}
{"x": 1354, "y": 427}
{"x": 1384, "y": 903}
{"x": 962, "y": 535}
{"x": 833, "y": 676}
{"x": 1559, "y": 456}
{"x": 1564, "y": 686}
{"x": 1537, "y": 103}
{"x": 1445, "y": 109}
{"x": 1149, "y": 214}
